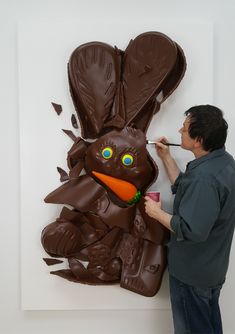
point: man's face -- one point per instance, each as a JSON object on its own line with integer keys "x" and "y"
{"x": 187, "y": 142}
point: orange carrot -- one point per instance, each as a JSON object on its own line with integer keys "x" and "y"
{"x": 123, "y": 189}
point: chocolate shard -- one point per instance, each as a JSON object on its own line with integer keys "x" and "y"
{"x": 84, "y": 275}
{"x": 66, "y": 274}
{"x": 76, "y": 170}
{"x": 74, "y": 121}
{"x": 70, "y": 134}
{"x": 63, "y": 175}
{"x": 57, "y": 107}
{"x": 51, "y": 262}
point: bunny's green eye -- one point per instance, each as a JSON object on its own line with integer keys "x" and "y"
{"x": 127, "y": 159}
{"x": 107, "y": 152}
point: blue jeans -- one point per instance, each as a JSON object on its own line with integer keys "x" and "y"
{"x": 195, "y": 310}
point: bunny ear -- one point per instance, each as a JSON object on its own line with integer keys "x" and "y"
{"x": 94, "y": 71}
{"x": 149, "y": 61}
{"x": 175, "y": 76}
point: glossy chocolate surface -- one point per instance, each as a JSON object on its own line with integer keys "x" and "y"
{"x": 120, "y": 88}
{"x": 115, "y": 94}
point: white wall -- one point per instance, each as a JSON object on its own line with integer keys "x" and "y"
{"x": 12, "y": 319}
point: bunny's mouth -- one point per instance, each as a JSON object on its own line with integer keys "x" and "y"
{"x": 126, "y": 191}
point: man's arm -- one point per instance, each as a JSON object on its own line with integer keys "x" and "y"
{"x": 198, "y": 210}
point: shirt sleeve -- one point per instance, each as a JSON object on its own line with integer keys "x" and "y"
{"x": 174, "y": 186}
{"x": 198, "y": 210}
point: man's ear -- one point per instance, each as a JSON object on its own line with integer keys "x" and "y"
{"x": 198, "y": 142}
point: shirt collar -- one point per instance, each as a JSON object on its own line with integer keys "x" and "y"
{"x": 211, "y": 155}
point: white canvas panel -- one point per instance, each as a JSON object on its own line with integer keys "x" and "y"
{"x": 43, "y": 52}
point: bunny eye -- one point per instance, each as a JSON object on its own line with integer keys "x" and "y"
{"x": 127, "y": 159}
{"x": 107, "y": 152}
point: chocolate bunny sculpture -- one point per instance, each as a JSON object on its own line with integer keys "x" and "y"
{"x": 115, "y": 95}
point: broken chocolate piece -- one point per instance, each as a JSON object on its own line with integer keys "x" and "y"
{"x": 70, "y": 134}
{"x": 51, "y": 262}
{"x": 74, "y": 121}
{"x": 57, "y": 107}
{"x": 63, "y": 175}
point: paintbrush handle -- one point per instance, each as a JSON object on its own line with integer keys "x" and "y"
{"x": 171, "y": 144}
{"x": 167, "y": 144}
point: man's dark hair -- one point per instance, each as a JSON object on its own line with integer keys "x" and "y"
{"x": 207, "y": 123}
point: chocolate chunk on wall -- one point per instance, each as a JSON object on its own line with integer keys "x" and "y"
{"x": 57, "y": 107}
{"x": 51, "y": 262}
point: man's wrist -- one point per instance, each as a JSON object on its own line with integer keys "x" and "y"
{"x": 167, "y": 158}
{"x": 164, "y": 218}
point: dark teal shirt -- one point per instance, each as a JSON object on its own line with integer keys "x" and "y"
{"x": 203, "y": 220}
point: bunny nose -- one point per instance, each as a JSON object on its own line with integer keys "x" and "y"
{"x": 126, "y": 191}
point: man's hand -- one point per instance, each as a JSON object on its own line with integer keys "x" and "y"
{"x": 154, "y": 210}
{"x": 152, "y": 207}
{"x": 164, "y": 153}
{"x": 162, "y": 150}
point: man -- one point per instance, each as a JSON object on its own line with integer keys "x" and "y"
{"x": 202, "y": 223}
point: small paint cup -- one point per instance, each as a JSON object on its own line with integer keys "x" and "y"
{"x": 154, "y": 195}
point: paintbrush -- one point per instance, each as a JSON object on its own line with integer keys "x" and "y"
{"x": 167, "y": 144}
